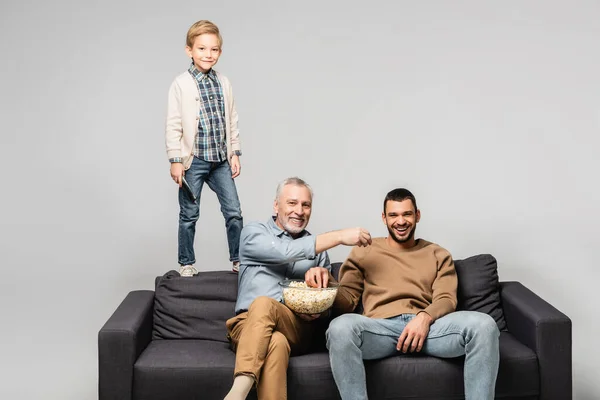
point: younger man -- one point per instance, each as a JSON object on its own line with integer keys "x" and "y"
{"x": 408, "y": 289}
{"x": 202, "y": 141}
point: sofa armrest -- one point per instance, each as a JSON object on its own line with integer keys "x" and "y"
{"x": 121, "y": 341}
{"x": 545, "y": 330}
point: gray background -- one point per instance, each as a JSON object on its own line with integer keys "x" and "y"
{"x": 488, "y": 111}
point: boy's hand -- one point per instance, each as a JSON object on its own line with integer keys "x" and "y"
{"x": 177, "y": 172}
{"x": 236, "y": 168}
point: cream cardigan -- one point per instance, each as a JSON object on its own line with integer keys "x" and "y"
{"x": 182, "y": 118}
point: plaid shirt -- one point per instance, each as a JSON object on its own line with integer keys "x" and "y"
{"x": 209, "y": 144}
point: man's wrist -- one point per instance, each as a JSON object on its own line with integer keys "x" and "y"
{"x": 425, "y": 315}
{"x": 237, "y": 153}
{"x": 175, "y": 160}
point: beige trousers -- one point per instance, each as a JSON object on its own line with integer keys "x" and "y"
{"x": 263, "y": 339}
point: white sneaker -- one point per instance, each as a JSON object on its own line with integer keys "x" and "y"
{"x": 187, "y": 270}
{"x": 235, "y": 267}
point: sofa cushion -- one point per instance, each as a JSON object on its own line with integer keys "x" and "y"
{"x": 203, "y": 369}
{"x": 335, "y": 270}
{"x": 519, "y": 373}
{"x": 479, "y": 288}
{"x": 310, "y": 377}
{"x": 194, "y": 307}
{"x": 412, "y": 375}
{"x": 183, "y": 369}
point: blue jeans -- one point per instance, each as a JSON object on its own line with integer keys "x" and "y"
{"x": 218, "y": 177}
{"x": 352, "y": 338}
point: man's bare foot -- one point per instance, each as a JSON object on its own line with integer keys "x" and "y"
{"x": 241, "y": 387}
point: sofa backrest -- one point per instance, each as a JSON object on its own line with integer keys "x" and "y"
{"x": 194, "y": 307}
{"x": 197, "y": 307}
{"x": 479, "y": 287}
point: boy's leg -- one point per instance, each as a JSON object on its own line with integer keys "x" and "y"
{"x": 474, "y": 335}
{"x": 352, "y": 338}
{"x": 189, "y": 211}
{"x": 263, "y": 352}
{"x": 221, "y": 182}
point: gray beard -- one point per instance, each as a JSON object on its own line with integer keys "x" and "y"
{"x": 292, "y": 230}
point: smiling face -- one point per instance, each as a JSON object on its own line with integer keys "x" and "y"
{"x": 292, "y": 208}
{"x": 401, "y": 220}
{"x": 205, "y": 52}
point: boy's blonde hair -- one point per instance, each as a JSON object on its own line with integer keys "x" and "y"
{"x": 200, "y": 28}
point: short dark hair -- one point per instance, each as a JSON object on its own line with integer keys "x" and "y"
{"x": 399, "y": 194}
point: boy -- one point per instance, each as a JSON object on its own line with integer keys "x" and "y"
{"x": 202, "y": 141}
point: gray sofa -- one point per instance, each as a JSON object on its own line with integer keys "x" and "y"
{"x": 171, "y": 344}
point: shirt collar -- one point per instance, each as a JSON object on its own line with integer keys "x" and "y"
{"x": 199, "y": 75}
{"x": 280, "y": 232}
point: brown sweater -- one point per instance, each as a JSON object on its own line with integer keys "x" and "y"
{"x": 394, "y": 282}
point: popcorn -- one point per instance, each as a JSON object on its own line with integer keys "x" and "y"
{"x": 299, "y": 297}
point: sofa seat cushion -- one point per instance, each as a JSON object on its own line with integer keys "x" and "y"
{"x": 519, "y": 372}
{"x": 309, "y": 377}
{"x": 203, "y": 369}
{"x": 423, "y": 377}
{"x": 183, "y": 369}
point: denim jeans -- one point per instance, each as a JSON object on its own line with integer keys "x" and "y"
{"x": 352, "y": 338}
{"x": 218, "y": 177}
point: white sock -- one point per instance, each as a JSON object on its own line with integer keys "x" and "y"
{"x": 241, "y": 387}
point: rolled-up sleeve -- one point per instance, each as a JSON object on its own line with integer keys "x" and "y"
{"x": 323, "y": 260}
{"x": 260, "y": 246}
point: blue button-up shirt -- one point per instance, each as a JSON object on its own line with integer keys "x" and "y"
{"x": 269, "y": 255}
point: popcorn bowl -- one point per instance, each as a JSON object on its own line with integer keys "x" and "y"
{"x": 302, "y": 299}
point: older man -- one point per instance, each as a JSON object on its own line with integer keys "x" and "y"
{"x": 264, "y": 331}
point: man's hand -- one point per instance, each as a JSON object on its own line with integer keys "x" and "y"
{"x": 177, "y": 172}
{"x": 236, "y": 167}
{"x": 355, "y": 237}
{"x": 349, "y": 237}
{"x": 414, "y": 334}
{"x": 317, "y": 277}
